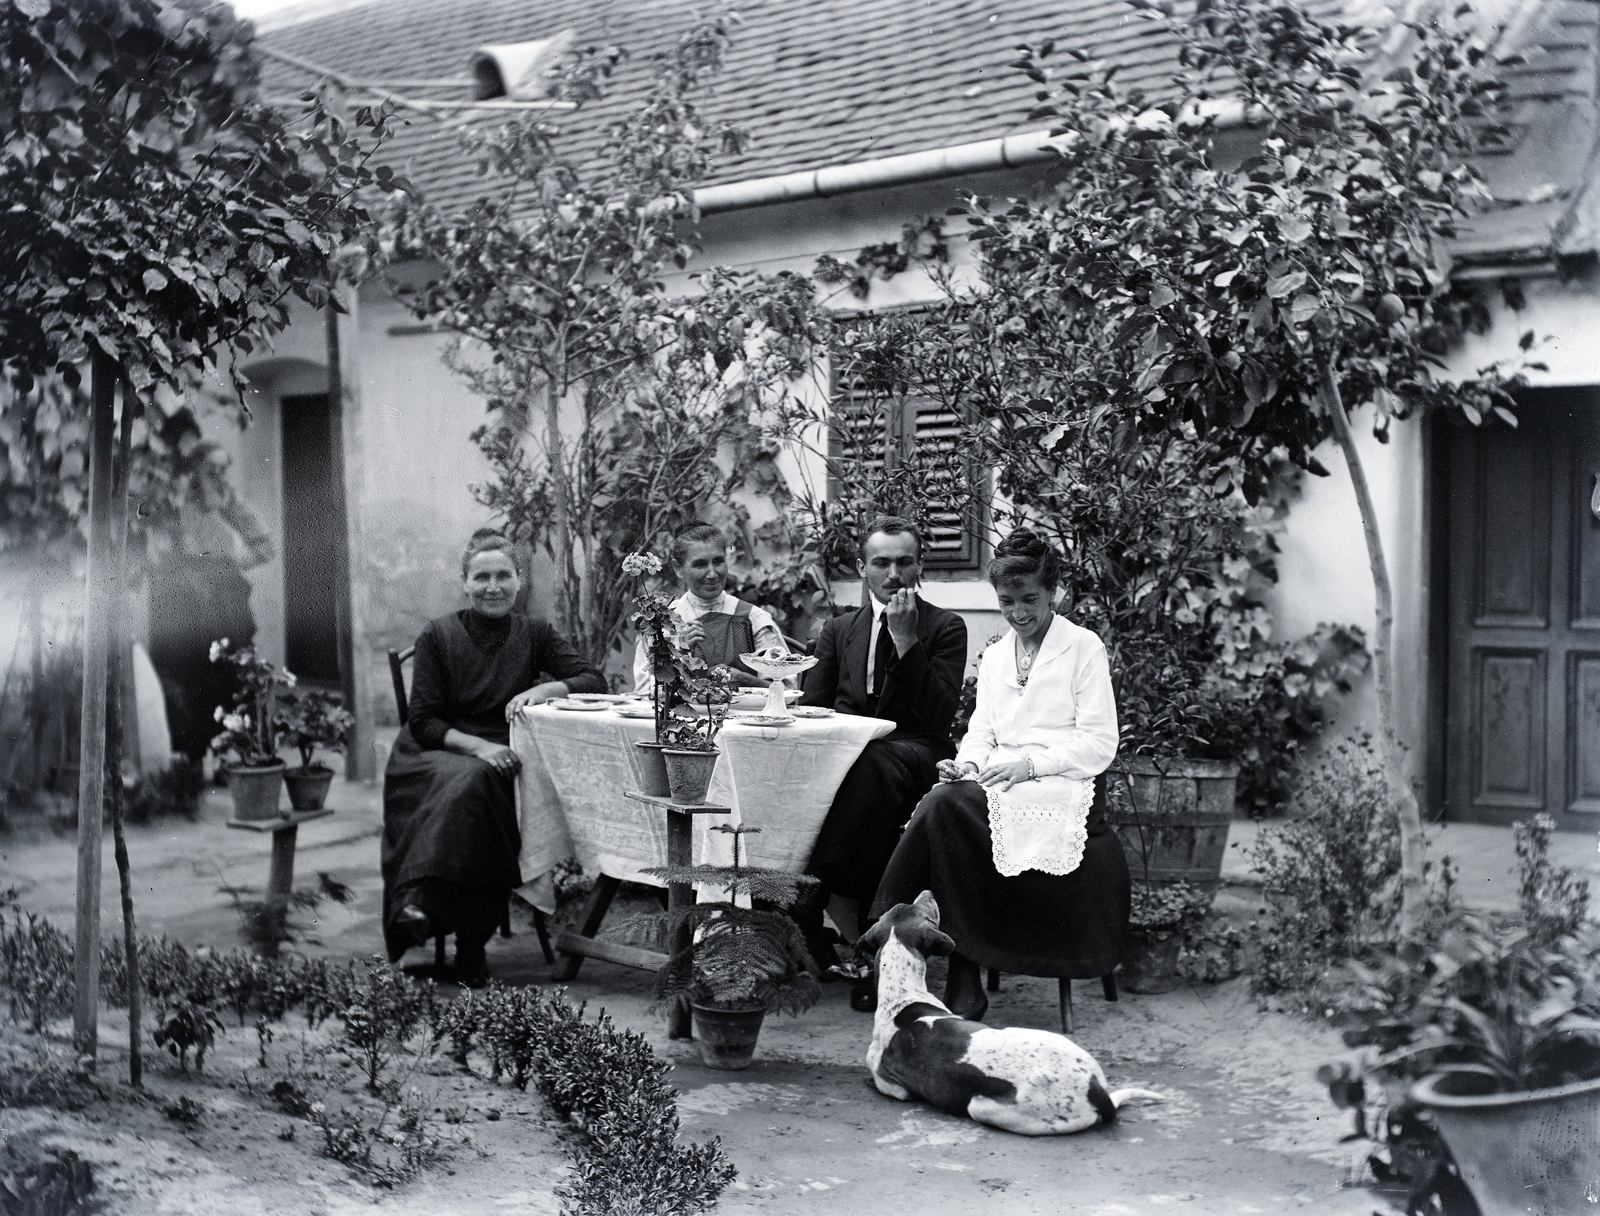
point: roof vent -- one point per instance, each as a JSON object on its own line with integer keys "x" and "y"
{"x": 515, "y": 69}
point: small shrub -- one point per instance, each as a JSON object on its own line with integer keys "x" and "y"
{"x": 406, "y": 1150}
{"x": 381, "y": 1012}
{"x": 177, "y": 790}
{"x": 37, "y": 958}
{"x": 290, "y": 1097}
{"x": 1331, "y": 875}
{"x": 186, "y": 1025}
{"x": 36, "y": 1181}
{"x": 184, "y": 1110}
{"x": 1554, "y": 903}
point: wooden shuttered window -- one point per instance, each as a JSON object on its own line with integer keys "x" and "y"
{"x": 907, "y": 455}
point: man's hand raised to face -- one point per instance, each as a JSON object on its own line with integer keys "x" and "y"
{"x": 901, "y": 613}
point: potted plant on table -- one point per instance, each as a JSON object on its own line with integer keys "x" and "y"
{"x": 690, "y": 741}
{"x": 309, "y": 718}
{"x": 1490, "y": 1030}
{"x": 741, "y": 962}
{"x": 249, "y": 732}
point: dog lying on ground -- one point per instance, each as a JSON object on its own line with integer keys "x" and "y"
{"x": 1032, "y": 1082}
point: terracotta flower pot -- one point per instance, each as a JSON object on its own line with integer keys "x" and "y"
{"x": 1150, "y": 959}
{"x": 689, "y": 774}
{"x": 255, "y": 790}
{"x": 308, "y": 787}
{"x": 1175, "y": 819}
{"x": 650, "y": 767}
{"x": 1533, "y": 1153}
{"x": 727, "y": 1037}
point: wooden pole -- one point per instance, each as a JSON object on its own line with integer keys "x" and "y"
{"x": 339, "y": 544}
{"x": 41, "y": 708}
{"x": 92, "y": 720}
{"x": 116, "y": 734}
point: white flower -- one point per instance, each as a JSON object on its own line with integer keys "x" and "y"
{"x": 637, "y": 564}
{"x": 289, "y": 679}
{"x": 219, "y": 715}
{"x": 218, "y": 649}
{"x": 237, "y": 722}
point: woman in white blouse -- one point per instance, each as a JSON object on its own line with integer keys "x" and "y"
{"x": 716, "y": 623}
{"x": 1013, "y": 842}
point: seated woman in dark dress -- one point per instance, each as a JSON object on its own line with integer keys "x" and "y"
{"x": 1013, "y": 842}
{"x": 450, "y": 836}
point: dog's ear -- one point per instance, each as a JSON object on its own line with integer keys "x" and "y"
{"x": 872, "y": 940}
{"x": 926, "y": 940}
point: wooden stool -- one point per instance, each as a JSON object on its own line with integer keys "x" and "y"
{"x": 575, "y": 947}
{"x": 1108, "y": 985}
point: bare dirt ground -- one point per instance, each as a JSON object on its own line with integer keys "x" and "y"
{"x": 1247, "y": 1129}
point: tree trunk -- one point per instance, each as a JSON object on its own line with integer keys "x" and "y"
{"x": 115, "y": 734}
{"x": 92, "y": 719}
{"x": 561, "y": 507}
{"x": 1401, "y": 794}
{"x": 41, "y": 710}
{"x": 339, "y": 544}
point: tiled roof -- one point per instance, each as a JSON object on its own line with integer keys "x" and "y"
{"x": 824, "y": 82}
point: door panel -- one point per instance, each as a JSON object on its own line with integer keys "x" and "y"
{"x": 313, "y": 516}
{"x": 1523, "y": 700}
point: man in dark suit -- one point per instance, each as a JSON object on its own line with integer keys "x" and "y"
{"x": 898, "y": 658}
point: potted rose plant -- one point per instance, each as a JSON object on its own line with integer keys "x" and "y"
{"x": 742, "y": 962}
{"x": 309, "y": 718}
{"x": 249, "y": 732}
{"x": 691, "y": 739}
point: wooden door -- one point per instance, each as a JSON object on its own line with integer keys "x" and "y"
{"x": 313, "y": 517}
{"x": 1523, "y": 725}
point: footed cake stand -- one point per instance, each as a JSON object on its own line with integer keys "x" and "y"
{"x": 777, "y": 671}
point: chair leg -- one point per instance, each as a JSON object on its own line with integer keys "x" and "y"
{"x": 505, "y": 919}
{"x": 438, "y": 951}
{"x": 543, "y": 930}
{"x": 1108, "y": 982}
{"x": 1066, "y": 1005}
{"x": 994, "y": 980}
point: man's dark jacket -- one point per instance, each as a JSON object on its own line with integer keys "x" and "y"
{"x": 922, "y": 688}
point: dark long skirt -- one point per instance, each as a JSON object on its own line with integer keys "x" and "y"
{"x": 872, "y": 804}
{"x": 450, "y": 844}
{"x": 1033, "y": 924}
{"x": 195, "y": 601}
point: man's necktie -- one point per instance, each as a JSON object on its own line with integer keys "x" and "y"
{"x": 882, "y": 653}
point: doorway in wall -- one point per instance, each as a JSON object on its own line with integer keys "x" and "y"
{"x": 1523, "y": 706}
{"x": 313, "y": 517}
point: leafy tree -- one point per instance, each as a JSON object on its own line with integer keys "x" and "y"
{"x": 159, "y": 217}
{"x": 610, "y": 399}
{"x": 1274, "y": 295}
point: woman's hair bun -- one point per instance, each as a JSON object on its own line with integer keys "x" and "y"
{"x": 1025, "y": 555}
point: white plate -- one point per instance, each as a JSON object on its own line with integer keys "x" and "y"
{"x": 811, "y": 711}
{"x": 599, "y": 698}
{"x": 579, "y": 706}
{"x": 763, "y": 720}
{"x": 634, "y": 711}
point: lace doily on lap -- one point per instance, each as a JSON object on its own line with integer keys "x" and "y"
{"x": 1040, "y": 825}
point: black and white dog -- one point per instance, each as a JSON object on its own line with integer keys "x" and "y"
{"x": 1033, "y": 1082}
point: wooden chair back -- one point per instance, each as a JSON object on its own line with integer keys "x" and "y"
{"x": 397, "y": 674}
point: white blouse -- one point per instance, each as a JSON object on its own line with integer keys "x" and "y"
{"x": 1066, "y": 717}
{"x": 1065, "y": 721}
{"x": 687, "y": 608}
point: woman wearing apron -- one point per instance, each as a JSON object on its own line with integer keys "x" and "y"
{"x": 716, "y": 624}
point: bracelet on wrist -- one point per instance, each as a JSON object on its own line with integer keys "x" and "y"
{"x": 1032, "y": 773}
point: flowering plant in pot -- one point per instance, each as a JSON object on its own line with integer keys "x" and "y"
{"x": 309, "y": 718}
{"x": 741, "y": 963}
{"x": 249, "y": 731}
{"x": 691, "y": 740}
{"x": 1488, "y": 1028}
{"x": 654, "y": 622}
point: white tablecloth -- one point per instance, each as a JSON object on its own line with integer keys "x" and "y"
{"x": 576, "y": 766}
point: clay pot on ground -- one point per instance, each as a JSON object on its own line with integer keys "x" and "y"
{"x": 727, "y": 1037}
{"x": 1150, "y": 959}
{"x": 650, "y": 767}
{"x": 689, "y": 774}
{"x": 308, "y": 786}
{"x": 1173, "y": 821}
{"x": 1529, "y": 1153}
{"x": 255, "y": 790}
